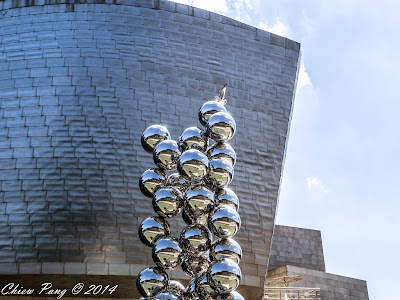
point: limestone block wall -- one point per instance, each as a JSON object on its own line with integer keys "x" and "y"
{"x": 296, "y": 247}
{"x": 333, "y": 287}
{"x": 80, "y": 81}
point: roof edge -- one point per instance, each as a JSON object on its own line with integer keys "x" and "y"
{"x": 163, "y": 5}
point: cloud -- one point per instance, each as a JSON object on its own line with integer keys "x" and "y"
{"x": 278, "y": 27}
{"x": 307, "y": 27}
{"x": 238, "y": 10}
{"x": 316, "y": 184}
{"x": 219, "y": 6}
{"x": 303, "y": 79}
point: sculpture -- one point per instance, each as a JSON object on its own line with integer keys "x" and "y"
{"x": 208, "y": 206}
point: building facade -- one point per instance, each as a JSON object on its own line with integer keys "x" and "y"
{"x": 296, "y": 247}
{"x": 79, "y": 82}
{"x": 297, "y": 263}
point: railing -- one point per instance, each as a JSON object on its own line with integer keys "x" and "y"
{"x": 291, "y": 293}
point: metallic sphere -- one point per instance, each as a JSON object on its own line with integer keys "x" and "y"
{"x": 204, "y": 288}
{"x": 175, "y": 287}
{"x": 227, "y": 197}
{"x": 222, "y": 150}
{"x": 166, "y": 155}
{"x": 190, "y": 219}
{"x": 208, "y": 109}
{"x": 224, "y": 221}
{"x": 168, "y": 202}
{"x": 227, "y": 248}
{"x": 176, "y": 181}
{"x": 221, "y": 127}
{"x": 151, "y": 180}
{"x": 193, "y": 265}
{"x": 153, "y": 135}
{"x": 231, "y": 296}
{"x": 199, "y": 200}
{"x": 195, "y": 239}
{"x": 193, "y": 138}
{"x": 193, "y": 165}
{"x": 153, "y": 228}
{"x": 167, "y": 253}
{"x": 224, "y": 275}
{"x": 151, "y": 281}
{"x": 220, "y": 172}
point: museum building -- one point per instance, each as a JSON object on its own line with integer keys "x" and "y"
{"x": 79, "y": 82}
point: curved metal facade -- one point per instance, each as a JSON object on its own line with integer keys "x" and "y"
{"x": 78, "y": 85}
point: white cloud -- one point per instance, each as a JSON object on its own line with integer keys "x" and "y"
{"x": 303, "y": 79}
{"x": 219, "y": 6}
{"x": 279, "y": 28}
{"x": 316, "y": 184}
{"x": 307, "y": 27}
{"x": 238, "y": 10}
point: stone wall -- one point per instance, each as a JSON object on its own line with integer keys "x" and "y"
{"x": 296, "y": 247}
{"x": 80, "y": 81}
{"x": 333, "y": 287}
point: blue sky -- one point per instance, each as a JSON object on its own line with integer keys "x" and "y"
{"x": 342, "y": 165}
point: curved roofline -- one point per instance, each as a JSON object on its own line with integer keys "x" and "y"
{"x": 163, "y": 5}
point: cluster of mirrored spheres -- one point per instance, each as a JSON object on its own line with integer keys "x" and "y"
{"x": 199, "y": 192}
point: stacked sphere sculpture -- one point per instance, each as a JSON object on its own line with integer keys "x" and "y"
{"x": 199, "y": 192}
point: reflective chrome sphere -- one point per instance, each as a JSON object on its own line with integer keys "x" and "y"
{"x": 151, "y": 281}
{"x": 166, "y": 296}
{"x": 224, "y": 275}
{"x": 153, "y": 228}
{"x": 176, "y": 181}
{"x": 168, "y": 202}
{"x": 151, "y": 180}
{"x": 224, "y": 222}
{"x": 193, "y": 165}
{"x": 193, "y": 138}
{"x": 231, "y": 296}
{"x": 175, "y": 287}
{"x": 208, "y": 109}
{"x": 204, "y": 288}
{"x": 221, "y": 127}
{"x": 190, "y": 219}
{"x": 222, "y": 150}
{"x": 193, "y": 265}
{"x": 195, "y": 239}
{"x": 167, "y": 253}
{"x": 166, "y": 155}
{"x": 227, "y": 197}
{"x": 220, "y": 172}
{"x": 152, "y": 135}
{"x": 199, "y": 200}
{"x": 227, "y": 248}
